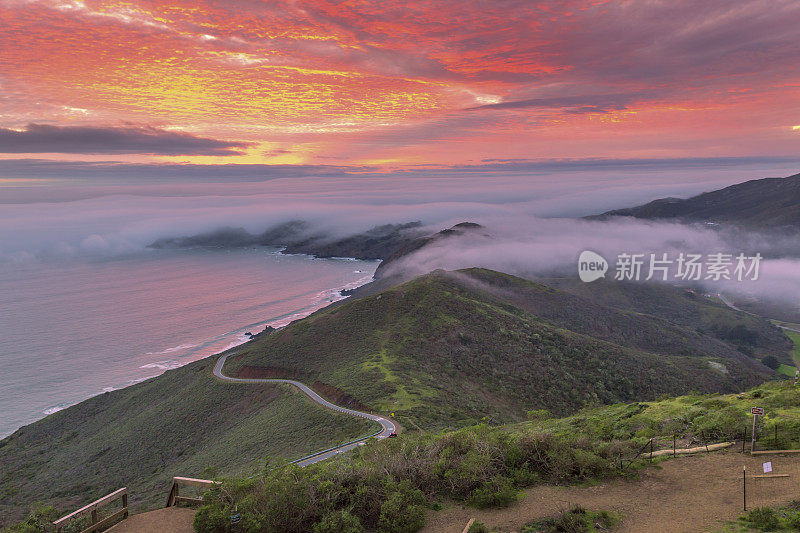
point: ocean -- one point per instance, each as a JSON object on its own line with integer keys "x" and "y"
{"x": 73, "y": 329}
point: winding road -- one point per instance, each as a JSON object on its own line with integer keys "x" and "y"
{"x": 387, "y": 426}
{"x": 774, "y": 321}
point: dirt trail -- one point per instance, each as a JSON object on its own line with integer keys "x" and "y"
{"x": 170, "y": 519}
{"x": 687, "y": 494}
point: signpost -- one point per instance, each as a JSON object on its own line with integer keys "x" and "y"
{"x": 756, "y": 412}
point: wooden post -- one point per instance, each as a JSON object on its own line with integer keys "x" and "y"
{"x": 94, "y": 516}
{"x": 703, "y": 435}
{"x": 469, "y": 524}
{"x": 744, "y": 488}
{"x": 753, "y": 436}
{"x": 674, "y": 451}
{"x": 125, "y": 505}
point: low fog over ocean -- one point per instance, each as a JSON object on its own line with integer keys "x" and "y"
{"x": 87, "y": 306}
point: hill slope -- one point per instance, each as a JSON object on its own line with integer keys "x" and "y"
{"x": 764, "y": 203}
{"x": 179, "y": 423}
{"x": 391, "y": 485}
{"x": 442, "y": 350}
{"x": 447, "y": 349}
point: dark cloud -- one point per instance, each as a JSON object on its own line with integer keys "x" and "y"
{"x": 590, "y": 103}
{"x": 105, "y": 171}
{"x": 591, "y": 163}
{"x": 41, "y": 138}
{"x": 173, "y": 172}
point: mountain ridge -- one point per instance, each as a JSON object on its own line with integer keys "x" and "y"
{"x": 772, "y": 203}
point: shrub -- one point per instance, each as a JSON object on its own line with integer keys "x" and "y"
{"x": 339, "y": 522}
{"x": 575, "y": 520}
{"x": 386, "y": 487}
{"x": 212, "y": 518}
{"x": 771, "y": 362}
{"x": 403, "y": 511}
{"x": 499, "y": 492}
{"x": 37, "y": 521}
{"x": 763, "y": 518}
{"x": 478, "y": 527}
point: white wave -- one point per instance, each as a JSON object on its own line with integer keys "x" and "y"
{"x": 173, "y": 349}
{"x": 164, "y": 365}
{"x": 55, "y": 408}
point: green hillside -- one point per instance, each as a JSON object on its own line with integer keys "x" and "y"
{"x": 448, "y": 349}
{"x": 764, "y": 203}
{"x": 179, "y": 423}
{"x": 444, "y": 350}
{"x": 687, "y": 309}
{"x": 395, "y": 485}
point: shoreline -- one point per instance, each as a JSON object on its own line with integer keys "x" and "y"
{"x": 333, "y": 295}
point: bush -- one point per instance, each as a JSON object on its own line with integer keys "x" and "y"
{"x": 575, "y": 520}
{"x": 213, "y": 518}
{"x": 771, "y": 362}
{"x": 38, "y": 520}
{"x": 499, "y": 492}
{"x": 386, "y": 487}
{"x": 339, "y": 522}
{"x": 403, "y": 511}
{"x": 478, "y": 527}
{"x": 763, "y": 518}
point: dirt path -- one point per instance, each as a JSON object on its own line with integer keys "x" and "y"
{"x": 687, "y": 494}
{"x": 170, "y": 519}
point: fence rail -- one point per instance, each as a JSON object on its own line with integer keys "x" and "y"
{"x": 97, "y": 524}
{"x": 175, "y": 498}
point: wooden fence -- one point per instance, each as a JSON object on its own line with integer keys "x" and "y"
{"x": 175, "y": 498}
{"x": 97, "y": 524}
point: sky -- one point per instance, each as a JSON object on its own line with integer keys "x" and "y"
{"x": 362, "y": 87}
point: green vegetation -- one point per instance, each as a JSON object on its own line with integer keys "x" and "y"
{"x": 773, "y": 519}
{"x": 796, "y": 350}
{"x": 389, "y": 486}
{"x": 689, "y": 310}
{"x": 575, "y": 520}
{"x": 449, "y": 349}
{"x": 39, "y": 520}
{"x": 183, "y": 423}
{"x": 446, "y": 350}
{"x": 694, "y": 419}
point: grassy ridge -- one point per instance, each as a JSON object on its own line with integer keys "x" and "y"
{"x": 179, "y": 423}
{"x": 449, "y": 349}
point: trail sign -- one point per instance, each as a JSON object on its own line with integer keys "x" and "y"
{"x": 757, "y": 411}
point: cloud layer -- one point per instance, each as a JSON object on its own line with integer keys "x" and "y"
{"x": 43, "y": 138}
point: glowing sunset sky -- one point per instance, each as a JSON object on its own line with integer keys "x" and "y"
{"x": 397, "y": 85}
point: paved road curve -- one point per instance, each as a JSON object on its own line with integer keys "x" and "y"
{"x": 387, "y": 426}
{"x": 774, "y": 321}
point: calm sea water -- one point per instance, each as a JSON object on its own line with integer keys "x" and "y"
{"x": 69, "y": 331}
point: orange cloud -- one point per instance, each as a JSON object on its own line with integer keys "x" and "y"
{"x": 401, "y": 82}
